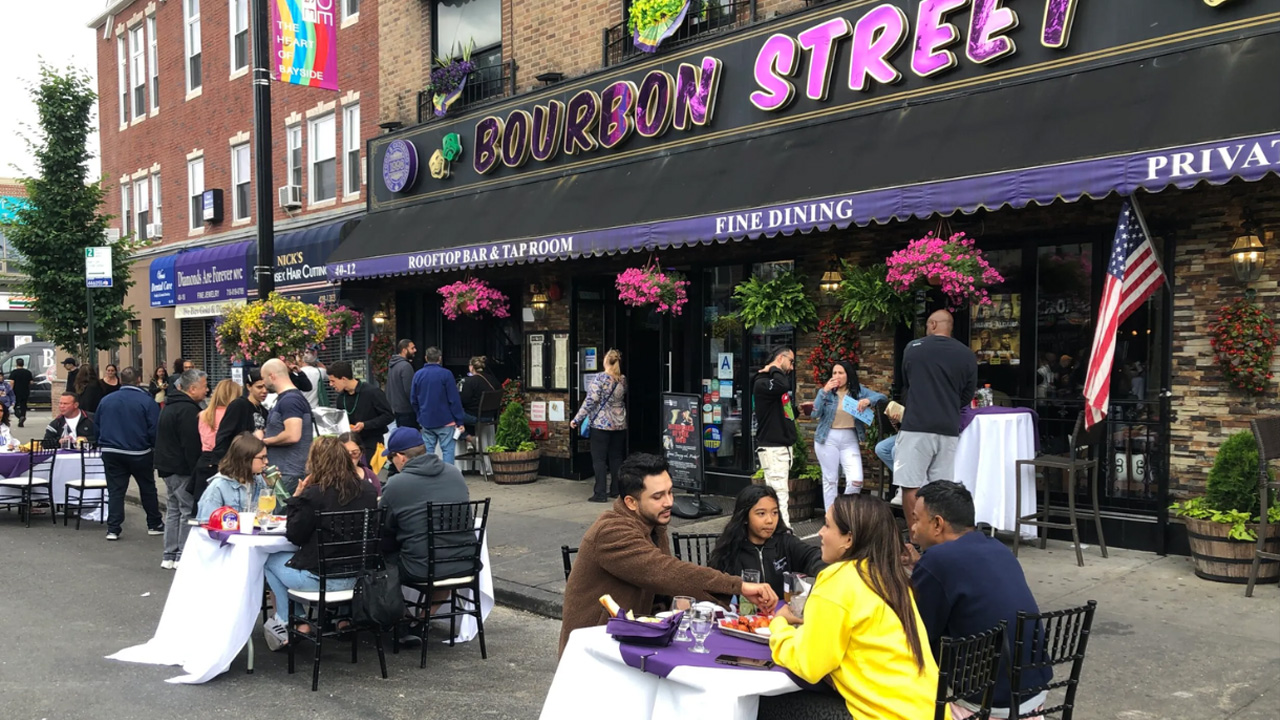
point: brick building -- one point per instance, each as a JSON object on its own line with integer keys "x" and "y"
{"x": 16, "y": 322}
{"x": 176, "y": 125}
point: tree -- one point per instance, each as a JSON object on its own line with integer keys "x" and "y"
{"x": 61, "y": 218}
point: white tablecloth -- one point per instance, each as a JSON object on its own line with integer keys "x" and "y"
{"x": 213, "y": 605}
{"x": 67, "y": 467}
{"x": 467, "y": 627}
{"x": 592, "y": 681}
{"x": 985, "y": 462}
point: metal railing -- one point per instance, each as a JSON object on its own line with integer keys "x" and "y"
{"x": 704, "y": 17}
{"x": 484, "y": 84}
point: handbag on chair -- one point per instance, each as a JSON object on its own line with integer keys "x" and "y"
{"x": 378, "y": 599}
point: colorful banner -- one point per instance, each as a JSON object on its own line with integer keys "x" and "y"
{"x": 304, "y": 42}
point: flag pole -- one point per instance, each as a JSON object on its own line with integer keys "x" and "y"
{"x": 1142, "y": 223}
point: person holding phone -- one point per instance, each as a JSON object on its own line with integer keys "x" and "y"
{"x": 838, "y": 440}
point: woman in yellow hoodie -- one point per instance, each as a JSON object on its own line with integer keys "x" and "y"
{"x": 860, "y": 628}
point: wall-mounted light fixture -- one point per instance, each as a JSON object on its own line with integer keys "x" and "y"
{"x": 1249, "y": 251}
{"x": 379, "y": 317}
{"x": 832, "y": 278}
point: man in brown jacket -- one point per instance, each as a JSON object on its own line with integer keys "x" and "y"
{"x": 626, "y": 554}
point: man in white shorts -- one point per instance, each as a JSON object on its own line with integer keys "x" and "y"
{"x": 940, "y": 375}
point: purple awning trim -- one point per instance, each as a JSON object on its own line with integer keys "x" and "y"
{"x": 1249, "y": 158}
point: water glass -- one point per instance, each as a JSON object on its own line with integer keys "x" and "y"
{"x": 700, "y": 626}
{"x": 685, "y": 603}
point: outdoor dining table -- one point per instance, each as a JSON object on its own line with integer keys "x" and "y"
{"x": 66, "y": 467}
{"x": 601, "y": 677}
{"x": 992, "y": 441}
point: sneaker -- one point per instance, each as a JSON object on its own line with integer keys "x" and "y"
{"x": 166, "y": 564}
{"x": 175, "y": 564}
{"x": 275, "y": 633}
{"x": 156, "y": 531}
{"x": 410, "y": 639}
{"x": 113, "y": 536}
{"x": 896, "y": 501}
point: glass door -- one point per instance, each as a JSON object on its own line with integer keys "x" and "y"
{"x": 594, "y": 334}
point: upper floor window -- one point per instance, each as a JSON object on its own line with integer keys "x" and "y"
{"x": 153, "y": 60}
{"x": 155, "y": 198}
{"x": 350, "y": 8}
{"x": 240, "y": 175}
{"x": 195, "y": 191}
{"x": 142, "y": 208}
{"x": 323, "y": 142}
{"x": 191, "y": 15}
{"x": 138, "y": 69}
{"x": 126, "y": 210}
{"x": 239, "y": 34}
{"x": 122, "y": 78}
{"x": 293, "y": 137}
{"x": 351, "y": 149}
{"x": 459, "y": 24}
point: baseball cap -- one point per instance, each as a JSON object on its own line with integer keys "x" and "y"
{"x": 402, "y": 439}
{"x": 224, "y": 518}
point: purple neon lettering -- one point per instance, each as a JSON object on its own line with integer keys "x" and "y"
{"x": 933, "y": 35}
{"x": 584, "y": 113}
{"x": 988, "y": 20}
{"x": 515, "y": 139}
{"x": 1058, "y": 16}
{"x": 696, "y": 93}
{"x": 877, "y": 36}
{"x": 547, "y": 121}
{"x": 653, "y": 104}
{"x": 774, "y": 64}
{"x": 485, "y": 156}
{"x": 617, "y": 101}
{"x": 820, "y": 41}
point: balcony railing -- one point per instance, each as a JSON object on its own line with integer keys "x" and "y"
{"x": 705, "y": 17}
{"x": 484, "y": 84}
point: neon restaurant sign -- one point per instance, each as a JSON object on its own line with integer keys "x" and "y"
{"x": 859, "y": 56}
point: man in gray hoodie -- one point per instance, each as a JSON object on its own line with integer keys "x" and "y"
{"x": 400, "y": 384}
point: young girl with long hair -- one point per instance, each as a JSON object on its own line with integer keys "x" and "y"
{"x": 238, "y": 482}
{"x": 207, "y": 423}
{"x": 757, "y": 538}
{"x": 860, "y": 624}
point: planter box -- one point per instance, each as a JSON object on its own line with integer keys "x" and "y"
{"x": 1219, "y": 558}
{"x": 515, "y": 468}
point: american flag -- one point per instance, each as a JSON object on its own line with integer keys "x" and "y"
{"x": 1133, "y": 275}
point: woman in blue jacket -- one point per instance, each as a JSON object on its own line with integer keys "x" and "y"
{"x": 839, "y": 435}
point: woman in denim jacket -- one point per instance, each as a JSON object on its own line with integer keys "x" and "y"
{"x": 238, "y": 482}
{"x": 839, "y": 435}
{"x": 606, "y": 408}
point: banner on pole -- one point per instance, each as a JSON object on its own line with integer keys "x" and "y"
{"x": 304, "y": 42}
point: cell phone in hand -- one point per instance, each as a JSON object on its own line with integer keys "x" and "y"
{"x": 740, "y": 661}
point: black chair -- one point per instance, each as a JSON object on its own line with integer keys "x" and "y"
{"x": 1080, "y": 458}
{"x": 821, "y": 703}
{"x": 347, "y": 546}
{"x": 1267, "y": 432}
{"x": 694, "y": 548}
{"x": 39, "y": 477}
{"x": 490, "y": 406}
{"x": 1044, "y": 641}
{"x": 456, "y": 536}
{"x": 881, "y": 472}
{"x": 967, "y": 668}
{"x": 566, "y": 556}
{"x": 93, "y": 479}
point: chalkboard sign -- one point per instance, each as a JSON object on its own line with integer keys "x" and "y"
{"x": 682, "y": 439}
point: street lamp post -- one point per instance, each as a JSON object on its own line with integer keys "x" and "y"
{"x": 264, "y": 270}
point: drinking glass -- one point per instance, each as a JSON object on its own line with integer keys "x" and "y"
{"x": 700, "y": 626}
{"x": 745, "y": 606}
{"x": 266, "y": 505}
{"x": 685, "y": 603}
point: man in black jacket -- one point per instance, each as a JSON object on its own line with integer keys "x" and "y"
{"x": 775, "y": 423}
{"x": 71, "y": 423}
{"x": 177, "y": 450}
{"x": 367, "y": 409}
{"x": 21, "y": 378}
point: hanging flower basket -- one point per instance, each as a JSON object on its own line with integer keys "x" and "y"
{"x": 343, "y": 321}
{"x": 473, "y": 298}
{"x": 650, "y": 285}
{"x": 954, "y": 265}
{"x": 653, "y": 21}
{"x": 448, "y": 80}
{"x": 271, "y": 328}
{"x": 1243, "y": 339}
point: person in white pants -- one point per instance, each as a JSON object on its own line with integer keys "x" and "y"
{"x": 837, "y": 440}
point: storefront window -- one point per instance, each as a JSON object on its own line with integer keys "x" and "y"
{"x": 995, "y": 329}
{"x": 727, "y": 446}
{"x": 1064, "y": 320}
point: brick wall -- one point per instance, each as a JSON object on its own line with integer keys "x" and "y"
{"x": 222, "y": 110}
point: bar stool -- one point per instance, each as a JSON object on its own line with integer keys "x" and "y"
{"x": 1078, "y": 459}
{"x": 487, "y": 412}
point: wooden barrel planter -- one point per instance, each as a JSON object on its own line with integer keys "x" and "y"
{"x": 1219, "y": 558}
{"x": 804, "y": 496}
{"x": 515, "y": 468}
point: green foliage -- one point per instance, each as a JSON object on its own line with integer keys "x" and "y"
{"x": 770, "y": 303}
{"x": 513, "y": 429}
{"x": 867, "y": 300}
{"x": 62, "y": 217}
{"x": 1232, "y": 492}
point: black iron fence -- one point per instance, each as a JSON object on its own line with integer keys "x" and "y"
{"x": 483, "y": 84}
{"x": 704, "y": 17}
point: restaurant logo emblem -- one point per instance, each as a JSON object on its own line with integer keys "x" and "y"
{"x": 400, "y": 166}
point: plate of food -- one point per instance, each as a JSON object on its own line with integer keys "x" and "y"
{"x": 748, "y": 627}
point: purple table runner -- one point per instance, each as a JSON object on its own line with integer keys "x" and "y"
{"x": 661, "y": 661}
{"x": 967, "y": 416}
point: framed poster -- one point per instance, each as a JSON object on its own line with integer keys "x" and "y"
{"x": 537, "y": 348}
{"x": 682, "y": 439}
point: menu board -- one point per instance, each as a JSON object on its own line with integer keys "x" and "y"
{"x": 682, "y": 439}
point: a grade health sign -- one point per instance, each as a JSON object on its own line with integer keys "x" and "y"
{"x": 97, "y": 267}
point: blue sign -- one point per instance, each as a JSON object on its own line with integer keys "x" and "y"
{"x": 400, "y": 166}
{"x": 161, "y": 280}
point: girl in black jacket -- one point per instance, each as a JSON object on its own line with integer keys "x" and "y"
{"x": 757, "y": 538}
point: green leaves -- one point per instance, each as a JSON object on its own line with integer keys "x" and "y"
{"x": 1232, "y": 493}
{"x": 513, "y": 427}
{"x": 867, "y": 300}
{"x": 770, "y": 303}
{"x": 62, "y": 218}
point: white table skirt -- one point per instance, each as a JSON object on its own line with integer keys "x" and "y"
{"x": 213, "y": 605}
{"x": 466, "y": 625}
{"x": 65, "y": 468}
{"x": 986, "y": 457}
{"x": 593, "y": 681}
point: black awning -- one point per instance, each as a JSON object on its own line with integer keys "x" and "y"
{"x": 1195, "y": 96}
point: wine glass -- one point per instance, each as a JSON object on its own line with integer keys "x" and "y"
{"x": 745, "y": 606}
{"x": 700, "y": 626}
{"x": 266, "y": 504}
{"x": 683, "y": 603}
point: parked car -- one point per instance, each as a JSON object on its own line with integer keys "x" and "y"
{"x": 41, "y": 359}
